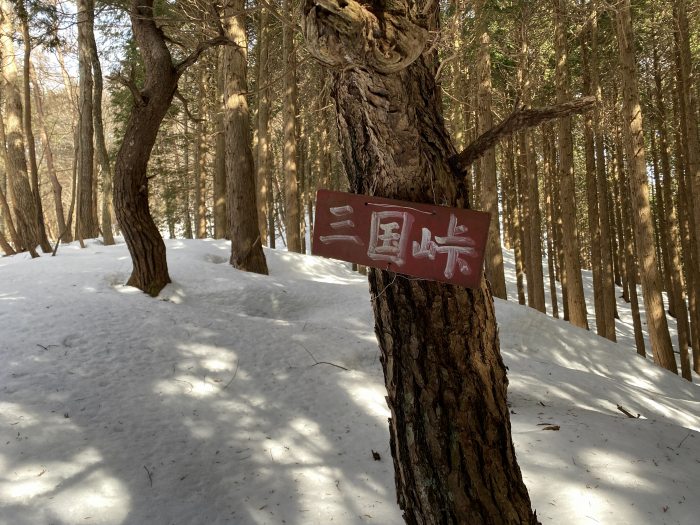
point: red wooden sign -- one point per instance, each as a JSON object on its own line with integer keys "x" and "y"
{"x": 431, "y": 242}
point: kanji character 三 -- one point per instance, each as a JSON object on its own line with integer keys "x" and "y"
{"x": 342, "y": 212}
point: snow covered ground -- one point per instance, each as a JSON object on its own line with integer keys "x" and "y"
{"x": 219, "y": 401}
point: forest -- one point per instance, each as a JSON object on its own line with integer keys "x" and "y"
{"x": 574, "y": 123}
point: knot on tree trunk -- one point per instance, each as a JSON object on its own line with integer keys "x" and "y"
{"x": 342, "y": 33}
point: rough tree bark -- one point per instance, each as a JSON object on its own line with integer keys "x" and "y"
{"x": 23, "y": 204}
{"x": 85, "y": 211}
{"x": 220, "y": 214}
{"x": 28, "y": 128}
{"x": 151, "y": 102}
{"x": 607, "y": 275}
{"x": 445, "y": 378}
{"x": 246, "y": 243}
{"x": 200, "y": 175}
{"x": 291, "y": 182}
{"x": 574, "y": 283}
{"x": 495, "y": 272}
{"x": 644, "y": 237}
{"x": 263, "y": 121}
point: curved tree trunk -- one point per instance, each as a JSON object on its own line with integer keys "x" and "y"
{"x": 151, "y": 102}
{"x": 150, "y": 271}
{"x": 445, "y": 378}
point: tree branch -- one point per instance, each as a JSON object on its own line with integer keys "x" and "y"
{"x": 131, "y": 84}
{"x": 186, "y": 106}
{"x": 518, "y": 120}
{"x": 220, "y": 40}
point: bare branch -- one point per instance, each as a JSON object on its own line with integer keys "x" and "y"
{"x": 518, "y": 120}
{"x": 220, "y": 40}
{"x": 131, "y": 85}
{"x": 185, "y": 105}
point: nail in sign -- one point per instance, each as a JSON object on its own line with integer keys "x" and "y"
{"x": 430, "y": 242}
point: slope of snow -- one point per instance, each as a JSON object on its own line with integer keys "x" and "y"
{"x": 224, "y": 401}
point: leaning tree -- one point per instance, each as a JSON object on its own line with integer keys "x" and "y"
{"x": 450, "y": 432}
{"x": 151, "y": 102}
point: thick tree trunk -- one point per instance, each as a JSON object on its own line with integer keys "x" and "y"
{"x": 445, "y": 378}
{"x": 150, "y": 271}
{"x": 574, "y": 283}
{"x": 634, "y": 145}
{"x": 85, "y": 210}
{"x": 246, "y": 243}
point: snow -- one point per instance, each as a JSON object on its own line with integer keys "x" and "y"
{"x": 224, "y": 400}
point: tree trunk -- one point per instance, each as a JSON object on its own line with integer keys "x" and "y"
{"x": 48, "y": 155}
{"x": 291, "y": 183}
{"x": 85, "y": 210}
{"x": 7, "y": 220}
{"x": 150, "y": 271}
{"x": 630, "y": 262}
{"x": 592, "y": 195}
{"x": 634, "y": 143}
{"x": 489, "y": 189}
{"x": 200, "y": 174}
{"x": 246, "y": 243}
{"x": 549, "y": 157}
{"x": 263, "y": 122}
{"x": 186, "y": 205}
{"x": 23, "y": 202}
{"x": 221, "y": 229}
{"x": 105, "y": 175}
{"x": 690, "y": 175}
{"x": 574, "y": 283}
{"x": 445, "y": 378}
{"x": 28, "y": 129}
{"x": 604, "y": 216}
{"x": 69, "y": 86}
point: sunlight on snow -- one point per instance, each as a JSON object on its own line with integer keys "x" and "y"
{"x": 369, "y": 397}
{"x": 86, "y": 490}
{"x": 97, "y": 493}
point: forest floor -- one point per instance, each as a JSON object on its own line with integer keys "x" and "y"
{"x": 249, "y": 400}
